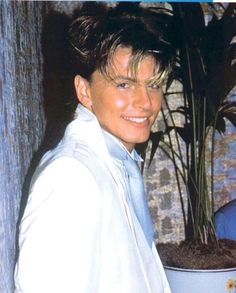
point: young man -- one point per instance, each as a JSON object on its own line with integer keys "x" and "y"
{"x": 86, "y": 227}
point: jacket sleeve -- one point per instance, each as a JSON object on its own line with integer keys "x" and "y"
{"x": 59, "y": 243}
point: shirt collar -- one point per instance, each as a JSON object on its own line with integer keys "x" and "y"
{"x": 117, "y": 149}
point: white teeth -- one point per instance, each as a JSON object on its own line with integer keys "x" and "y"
{"x": 136, "y": 119}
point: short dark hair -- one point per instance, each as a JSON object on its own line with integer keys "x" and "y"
{"x": 94, "y": 37}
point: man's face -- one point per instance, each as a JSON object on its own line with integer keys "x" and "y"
{"x": 126, "y": 106}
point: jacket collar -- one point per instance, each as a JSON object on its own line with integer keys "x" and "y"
{"x": 86, "y": 128}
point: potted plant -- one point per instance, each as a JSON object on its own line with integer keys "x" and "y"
{"x": 205, "y": 67}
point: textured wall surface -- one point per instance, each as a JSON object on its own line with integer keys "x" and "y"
{"x": 162, "y": 188}
{"x": 225, "y": 163}
{"x": 21, "y": 117}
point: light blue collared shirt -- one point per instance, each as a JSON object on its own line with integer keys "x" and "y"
{"x": 126, "y": 164}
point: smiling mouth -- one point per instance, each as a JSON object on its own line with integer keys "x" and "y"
{"x": 136, "y": 119}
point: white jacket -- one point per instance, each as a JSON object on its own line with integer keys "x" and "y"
{"x": 78, "y": 234}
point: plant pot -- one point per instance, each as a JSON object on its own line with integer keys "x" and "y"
{"x": 201, "y": 281}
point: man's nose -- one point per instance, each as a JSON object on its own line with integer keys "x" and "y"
{"x": 142, "y": 98}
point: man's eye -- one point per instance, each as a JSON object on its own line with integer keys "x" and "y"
{"x": 123, "y": 85}
{"x": 154, "y": 86}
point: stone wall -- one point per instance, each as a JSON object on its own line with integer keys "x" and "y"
{"x": 21, "y": 117}
{"x": 161, "y": 185}
{"x": 163, "y": 196}
{"x": 225, "y": 163}
{"x": 160, "y": 179}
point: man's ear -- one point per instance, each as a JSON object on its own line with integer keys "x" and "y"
{"x": 82, "y": 89}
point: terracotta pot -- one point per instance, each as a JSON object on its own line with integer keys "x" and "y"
{"x": 201, "y": 281}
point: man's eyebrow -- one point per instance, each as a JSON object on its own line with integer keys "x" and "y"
{"x": 132, "y": 79}
{"x": 123, "y": 77}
